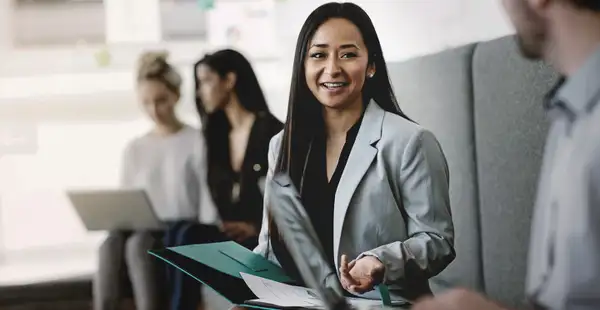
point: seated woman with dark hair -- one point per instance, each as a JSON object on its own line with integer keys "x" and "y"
{"x": 237, "y": 127}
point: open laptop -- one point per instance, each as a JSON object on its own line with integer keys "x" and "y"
{"x": 115, "y": 209}
{"x": 304, "y": 246}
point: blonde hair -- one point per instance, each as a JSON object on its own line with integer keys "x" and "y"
{"x": 153, "y": 66}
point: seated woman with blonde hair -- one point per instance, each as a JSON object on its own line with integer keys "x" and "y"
{"x": 169, "y": 163}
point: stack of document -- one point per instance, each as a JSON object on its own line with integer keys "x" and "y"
{"x": 275, "y": 294}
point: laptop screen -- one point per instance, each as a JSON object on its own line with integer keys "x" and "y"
{"x": 301, "y": 240}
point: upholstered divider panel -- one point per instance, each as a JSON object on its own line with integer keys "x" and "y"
{"x": 510, "y": 130}
{"x": 436, "y": 92}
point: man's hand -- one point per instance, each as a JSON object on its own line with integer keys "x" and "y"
{"x": 360, "y": 276}
{"x": 457, "y": 299}
{"x": 239, "y": 231}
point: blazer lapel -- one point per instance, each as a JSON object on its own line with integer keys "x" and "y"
{"x": 361, "y": 156}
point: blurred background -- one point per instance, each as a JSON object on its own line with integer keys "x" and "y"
{"x": 68, "y": 107}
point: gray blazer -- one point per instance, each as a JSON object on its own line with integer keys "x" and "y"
{"x": 392, "y": 202}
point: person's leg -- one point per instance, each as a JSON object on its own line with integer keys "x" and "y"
{"x": 250, "y": 243}
{"x": 168, "y": 240}
{"x": 144, "y": 271}
{"x": 107, "y": 281}
{"x": 186, "y": 293}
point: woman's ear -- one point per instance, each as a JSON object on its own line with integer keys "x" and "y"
{"x": 230, "y": 80}
{"x": 371, "y": 71}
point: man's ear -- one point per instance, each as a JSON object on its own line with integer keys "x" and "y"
{"x": 230, "y": 80}
{"x": 539, "y": 5}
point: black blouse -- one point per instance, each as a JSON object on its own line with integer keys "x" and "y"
{"x": 318, "y": 197}
{"x": 237, "y": 195}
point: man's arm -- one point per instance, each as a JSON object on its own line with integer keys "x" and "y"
{"x": 580, "y": 261}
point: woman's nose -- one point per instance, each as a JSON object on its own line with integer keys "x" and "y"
{"x": 332, "y": 67}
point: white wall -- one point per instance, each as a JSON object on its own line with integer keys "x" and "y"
{"x": 6, "y": 31}
{"x": 409, "y": 28}
{"x": 132, "y": 21}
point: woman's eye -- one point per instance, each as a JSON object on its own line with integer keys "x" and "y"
{"x": 317, "y": 55}
{"x": 349, "y": 55}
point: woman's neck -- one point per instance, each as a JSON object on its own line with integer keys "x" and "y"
{"x": 168, "y": 129}
{"x": 339, "y": 121}
{"x": 237, "y": 115}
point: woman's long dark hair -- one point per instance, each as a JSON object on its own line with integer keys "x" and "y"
{"x": 304, "y": 109}
{"x": 246, "y": 86}
{"x": 215, "y": 125}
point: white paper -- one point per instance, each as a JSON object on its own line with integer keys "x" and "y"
{"x": 281, "y": 294}
{"x": 285, "y": 295}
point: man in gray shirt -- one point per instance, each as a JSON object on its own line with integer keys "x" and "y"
{"x": 564, "y": 253}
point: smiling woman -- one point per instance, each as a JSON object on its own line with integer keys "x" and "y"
{"x": 374, "y": 183}
{"x": 336, "y": 64}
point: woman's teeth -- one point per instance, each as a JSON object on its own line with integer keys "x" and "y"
{"x": 334, "y": 85}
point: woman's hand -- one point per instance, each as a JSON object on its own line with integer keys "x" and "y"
{"x": 360, "y": 276}
{"x": 239, "y": 231}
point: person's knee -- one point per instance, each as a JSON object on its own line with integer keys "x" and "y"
{"x": 113, "y": 243}
{"x": 138, "y": 245}
{"x": 194, "y": 233}
{"x": 110, "y": 254}
{"x": 186, "y": 233}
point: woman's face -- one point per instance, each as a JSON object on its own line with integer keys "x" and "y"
{"x": 336, "y": 64}
{"x": 213, "y": 90}
{"x": 158, "y": 101}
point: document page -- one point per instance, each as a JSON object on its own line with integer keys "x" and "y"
{"x": 281, "y": 294}
{"x": 285, "y": 295}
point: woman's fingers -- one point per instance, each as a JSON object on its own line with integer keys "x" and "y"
{"x": 351, "y": 264}
{"x": 347, "y": 281}
{"x": 361, "y": 284}
{"x": 344, "y": 264}
{"x": 345, "y": 278}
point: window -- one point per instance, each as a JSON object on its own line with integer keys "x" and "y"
{"x": 35, "y": 212}
{"x": 58, "y": 22}
{"x": 182, "y": 20}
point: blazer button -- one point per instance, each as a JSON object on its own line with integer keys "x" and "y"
{"x": 256, "y": 167}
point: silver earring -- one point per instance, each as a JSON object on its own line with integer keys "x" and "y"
{"x": 371, "y": 75}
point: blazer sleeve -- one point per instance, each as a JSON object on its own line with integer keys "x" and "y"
{"x": 423, "y": 180}
{"x": 263, "y": 237}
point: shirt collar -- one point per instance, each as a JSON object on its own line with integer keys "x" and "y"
{"x": 579, "y": 93}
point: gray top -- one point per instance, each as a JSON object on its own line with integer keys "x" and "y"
{"x": 172, "y": 170}
{"x": 564, "y": 253}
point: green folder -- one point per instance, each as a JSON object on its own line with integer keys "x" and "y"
{"x": 218, "y": 265}
{"x": 232, "y": 258}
